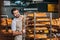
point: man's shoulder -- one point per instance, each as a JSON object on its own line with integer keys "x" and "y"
{"x": 14, "y": 19}
{"x": 22, "y": 16}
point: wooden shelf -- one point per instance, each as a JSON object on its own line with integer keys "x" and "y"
{"x": 39, "y": 25}
{"x": 5, "y": 26}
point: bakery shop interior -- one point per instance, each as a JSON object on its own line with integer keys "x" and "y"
{"x": 29, "y": 19}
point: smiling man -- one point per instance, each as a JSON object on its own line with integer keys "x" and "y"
{"x": 17, "y": 24}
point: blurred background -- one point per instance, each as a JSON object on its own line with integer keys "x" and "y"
{"x": 46, "y": 22}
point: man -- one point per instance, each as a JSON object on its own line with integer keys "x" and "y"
{"x": 17, "y": 24}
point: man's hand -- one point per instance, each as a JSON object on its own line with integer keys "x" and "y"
{"x": 24, "y": 31}
{"x": 15, "y": 33}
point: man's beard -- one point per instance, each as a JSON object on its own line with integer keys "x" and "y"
{"x": 17, "y": 16}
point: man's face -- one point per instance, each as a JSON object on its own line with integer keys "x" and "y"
{"x": 16, "y": 13}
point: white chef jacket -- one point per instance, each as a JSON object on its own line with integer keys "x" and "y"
{"x": 13, "y": 25}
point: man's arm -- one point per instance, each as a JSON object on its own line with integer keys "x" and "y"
{"x": 13, "y": 27}
{"x": 15, "y": 33}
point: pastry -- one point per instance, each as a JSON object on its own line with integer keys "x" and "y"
{"x": 41, "y": 14}
{"x": 43, "y": 19}
{"x": 30, "y": 14}
{"x": 40, "y": 28}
